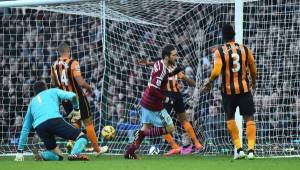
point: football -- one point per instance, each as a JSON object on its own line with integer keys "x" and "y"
{"x": 108, "y": 132}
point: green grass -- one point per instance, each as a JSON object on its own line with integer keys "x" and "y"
{"x": 191, "y": 162}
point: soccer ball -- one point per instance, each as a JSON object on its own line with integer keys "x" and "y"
{"x": 108, "y": 132}
{"x": 154, "y": 150}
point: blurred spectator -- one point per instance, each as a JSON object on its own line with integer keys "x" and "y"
{"x": 130, "y": 127}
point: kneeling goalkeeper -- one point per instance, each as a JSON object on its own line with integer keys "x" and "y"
{"x": 43, "y": 114}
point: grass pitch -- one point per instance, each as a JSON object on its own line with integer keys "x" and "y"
{"x": 191, "y": 162}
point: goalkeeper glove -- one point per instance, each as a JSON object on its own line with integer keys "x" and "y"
{"x": 19, "y": 156}
{"x": 74, "y": 115}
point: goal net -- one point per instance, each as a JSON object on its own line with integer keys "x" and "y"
{"x": 108, "y": 38}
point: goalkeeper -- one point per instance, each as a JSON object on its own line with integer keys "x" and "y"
{"x": 43, "y": 114}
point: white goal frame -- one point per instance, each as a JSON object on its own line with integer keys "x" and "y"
{"x": 238, "y": 25}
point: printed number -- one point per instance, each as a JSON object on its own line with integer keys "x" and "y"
{"x": 39, "y": 99}
{"x": 236, "y": 62}
{"x": 64, "y": 77}
{"x": 156, "y": 67}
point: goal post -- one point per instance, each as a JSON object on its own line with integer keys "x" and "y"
{"x": 22, "y": 3}
{"x": 238, "y": 24}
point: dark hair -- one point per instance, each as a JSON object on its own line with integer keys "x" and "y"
{"x": 167, "y": 51}
{"x": 228, "y": 32}
{"x": 63, "y": 47}
{"x": 39, "y": 86}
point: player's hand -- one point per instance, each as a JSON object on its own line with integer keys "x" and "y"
{"x": 180, "y": 75}
{"x": 169, "y": 100}
{"x": 19, "y": 156}
{"x": 206, "y": 87}
{"x": 74, "y": 116}
{"x": 89, "y": 92}
{"x": 142, "y": 62}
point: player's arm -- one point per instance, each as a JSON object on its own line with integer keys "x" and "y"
{"x": 75, "y": 115}
{"x": 53, "y": 77}
{"x": 83, "y": 83}
{"x": 79, "y": 79}
{"x": 252, "y": 67}
{"x": 145, "y": 62}
{"x": 65, "y": 95}
{"x": 215, "y": 72}
{"x": 27, "y": 124}
{"x": 217, "y": 67}
{"x": 189, "y": 81}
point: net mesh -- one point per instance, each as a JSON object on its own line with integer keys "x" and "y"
{"x": 137, "y": 30}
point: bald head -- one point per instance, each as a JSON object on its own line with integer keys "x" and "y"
{"x": 63, "y": 48}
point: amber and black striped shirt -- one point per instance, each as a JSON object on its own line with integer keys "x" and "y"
{"x": 172, "y": 85}
{"x": 235, "y": 60}
{"x": 64, "y": 71}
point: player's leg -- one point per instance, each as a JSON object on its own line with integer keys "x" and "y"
{"x": 164, "y": 119}
{"x": 189, "y": 129}
{"x": 162, "y": 124}
{"x": 48, "y": 155}
{"x": 180, "y": 110}
{"x": 187, "y": 146}
{"x": 230, "y": 104}
{"x": 168, "y": 137}
{"x": 87, "y": 117}
{"x": 68, "y": 107}
{"x": 139, "y": 137}
{"x": 247, "y": 107}
{"x": 65, "y": 130}
{"x": 52, "y": 151}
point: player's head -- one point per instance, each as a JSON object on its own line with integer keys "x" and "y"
{"x": 228, "y": 33}
{"x": 63, "y": 48}
{"x": 39, "y": 86}
{"x": 169, "y": 52}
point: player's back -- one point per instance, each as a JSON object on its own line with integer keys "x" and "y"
{"x": 158, "y": 81}
{"x": 235, "y": 60}
{"x": 45, "y": 105}
{"x": 64, "y": 71}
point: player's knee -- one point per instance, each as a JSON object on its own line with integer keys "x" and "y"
{"x": 248, "y": 118}
{"x": 88, "y": 121}
{"x": 182, "y": 117}
{"x": 82, "y": 135}
{"x": 170, "y": 128}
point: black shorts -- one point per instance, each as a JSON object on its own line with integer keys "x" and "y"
{"x": 244, "y": 101}
{"x": 56, "y": 127}
{"x": 84, "y": 107}
{"x": 178, "y": 104}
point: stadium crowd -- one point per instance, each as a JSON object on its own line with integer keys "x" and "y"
{"x": 29, "y": 39}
